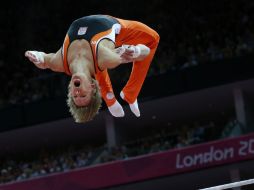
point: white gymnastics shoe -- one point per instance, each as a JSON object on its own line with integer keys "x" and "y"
{"x": 116, "y": 110}
{"x": 134, "y": 106}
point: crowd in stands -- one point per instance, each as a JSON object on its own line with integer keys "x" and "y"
{"x": 77, "y": 156}
{"x": 46, "y": 163}
{"x": 162, "y": 140}
{"x": 205, "y": 32}
{"x": 192, "y": 33}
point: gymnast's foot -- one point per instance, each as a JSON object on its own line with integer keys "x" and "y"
{"x": 134, "y": 106}
{"x": 116, "y": 109}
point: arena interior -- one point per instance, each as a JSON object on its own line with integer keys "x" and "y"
{"x": 196, "y": 128}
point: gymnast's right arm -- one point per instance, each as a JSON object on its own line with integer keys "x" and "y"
{"x": 43, "y": 60}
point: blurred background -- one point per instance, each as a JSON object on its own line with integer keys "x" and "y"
{"x": 197, "y": 111}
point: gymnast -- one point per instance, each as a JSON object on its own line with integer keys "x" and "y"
{"x": 93, "y": 44}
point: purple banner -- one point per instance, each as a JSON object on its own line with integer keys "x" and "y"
{"x": 145, "y": 167}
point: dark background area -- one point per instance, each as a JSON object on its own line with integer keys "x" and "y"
{"x": 205, "y": 52}
{"x": 192, "y": 34}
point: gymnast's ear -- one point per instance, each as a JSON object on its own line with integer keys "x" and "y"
{"x": 93, "y": 85}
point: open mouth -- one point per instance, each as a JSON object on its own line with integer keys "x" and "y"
{"x": 76, "y": 82}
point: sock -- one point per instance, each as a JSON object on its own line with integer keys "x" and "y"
{"x": 116, "y": 109}
{"x": 134, "y": 106}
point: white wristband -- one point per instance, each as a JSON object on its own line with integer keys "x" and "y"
{"x": 137, "y": 51}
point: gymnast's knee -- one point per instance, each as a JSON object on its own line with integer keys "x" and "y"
{"x": 154, "y": 40}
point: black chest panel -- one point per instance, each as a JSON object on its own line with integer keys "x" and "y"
{"x": 88, "y": 26}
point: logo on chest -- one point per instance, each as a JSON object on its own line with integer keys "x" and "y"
{"x": 82, "y": 30}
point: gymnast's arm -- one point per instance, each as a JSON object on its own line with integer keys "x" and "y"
{"x": 43, "y": 60}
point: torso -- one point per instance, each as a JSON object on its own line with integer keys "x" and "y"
{"x": 83, "y": 38}
{"x": 80, "y": 49}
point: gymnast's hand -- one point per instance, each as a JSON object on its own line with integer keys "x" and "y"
{"x": 130, "y": 53}
{"x": 37, "y": 58}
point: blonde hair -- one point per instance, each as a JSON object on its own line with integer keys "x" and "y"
{"x": 85, "y": 113}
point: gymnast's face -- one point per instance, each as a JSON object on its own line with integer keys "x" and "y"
{"x": 81, "y": 89}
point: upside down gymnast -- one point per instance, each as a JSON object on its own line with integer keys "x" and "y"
{"x": 92, "y": 45}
